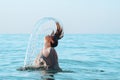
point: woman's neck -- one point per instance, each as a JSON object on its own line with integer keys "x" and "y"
{"x": 47, "y": 46}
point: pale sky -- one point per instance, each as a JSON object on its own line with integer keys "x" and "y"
{"x": 77, "y": 16}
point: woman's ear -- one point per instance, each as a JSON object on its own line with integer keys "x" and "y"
{"x": 52, "y": 41}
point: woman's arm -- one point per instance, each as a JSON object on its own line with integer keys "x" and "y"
{"x": 39, "y": 62}
{"x": 37, "y": 59}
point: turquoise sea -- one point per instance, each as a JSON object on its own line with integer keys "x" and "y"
{"x": 84, "y": 56}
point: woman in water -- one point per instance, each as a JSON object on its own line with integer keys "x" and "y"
{"x": 48, "y": 58}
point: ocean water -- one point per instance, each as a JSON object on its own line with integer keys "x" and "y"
{"x": 82, "y": 56}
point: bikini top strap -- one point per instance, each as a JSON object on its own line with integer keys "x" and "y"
{"x": 44, "y": 58}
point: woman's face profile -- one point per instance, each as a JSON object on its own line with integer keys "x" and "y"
{"x": 47, "y": 39}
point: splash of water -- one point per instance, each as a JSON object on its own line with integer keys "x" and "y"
{"x": 43, "y": 27}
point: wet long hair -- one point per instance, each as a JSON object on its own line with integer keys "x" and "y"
{"x": 56, "y": 35}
